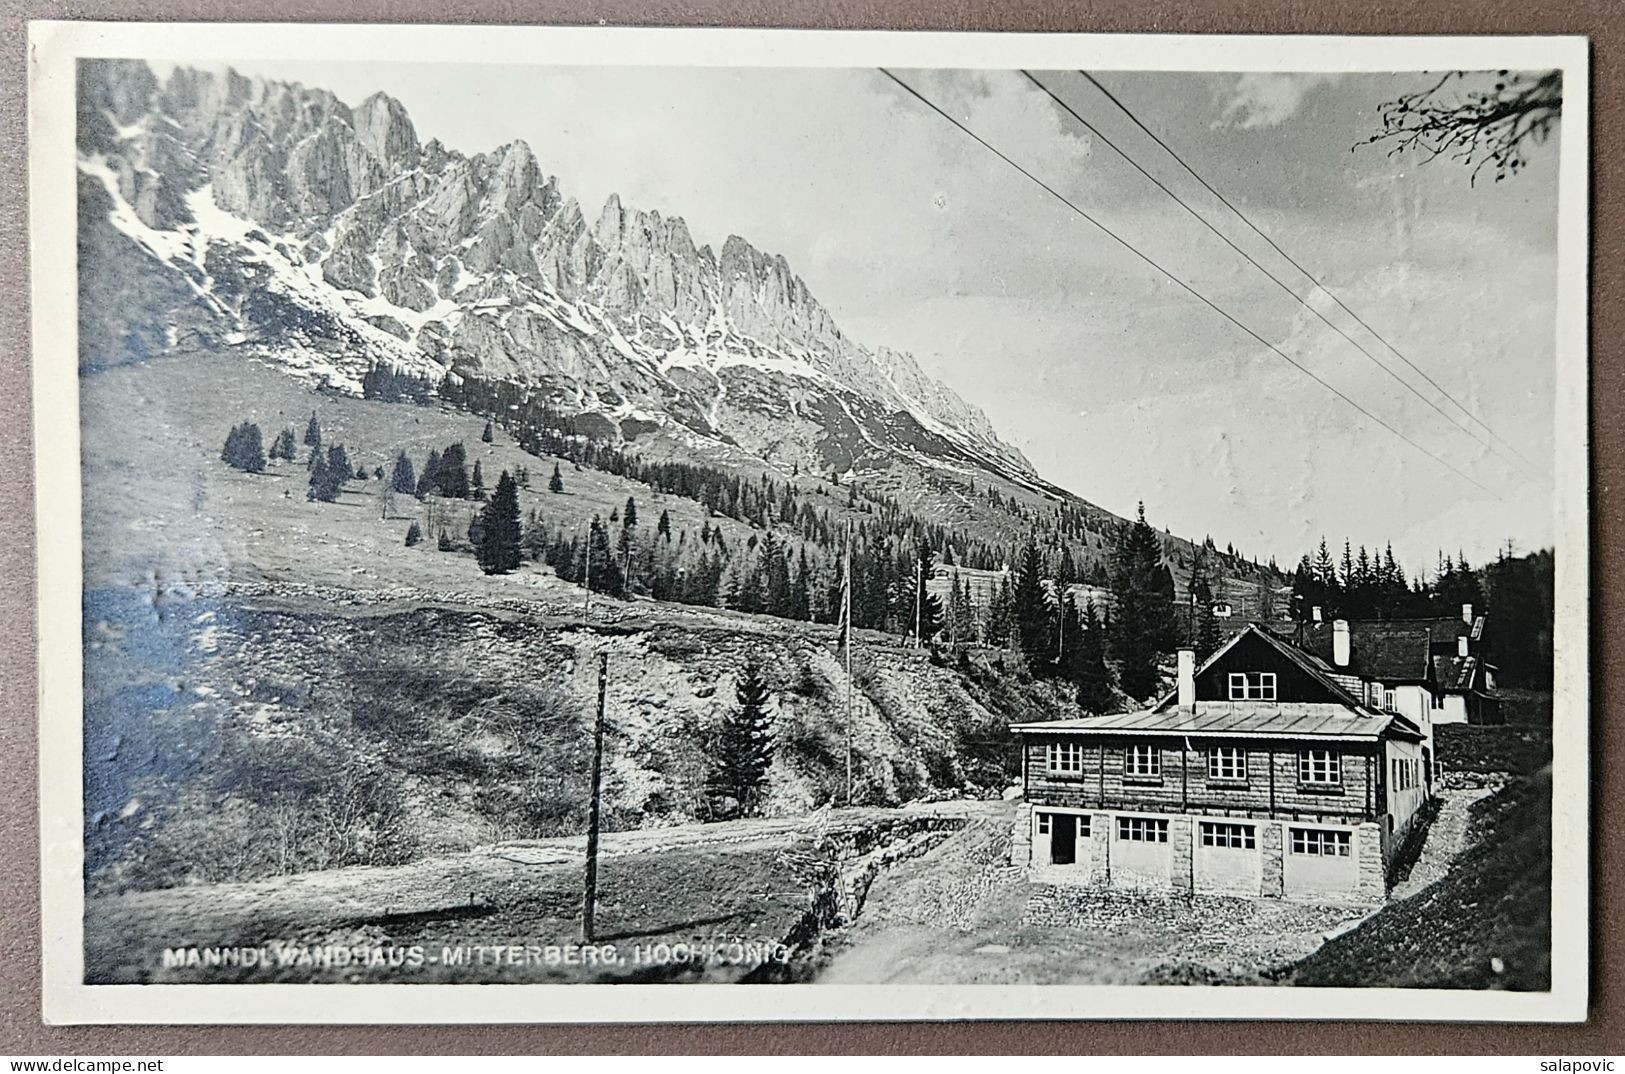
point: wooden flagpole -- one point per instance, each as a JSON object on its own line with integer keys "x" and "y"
{"x": 846, "y": 619}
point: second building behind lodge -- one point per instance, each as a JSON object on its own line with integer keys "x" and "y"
{"x": 1269, "y": 771}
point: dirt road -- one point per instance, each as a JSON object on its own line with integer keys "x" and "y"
{"x": 753, "y": 881}
{"x": 962, "y": 915}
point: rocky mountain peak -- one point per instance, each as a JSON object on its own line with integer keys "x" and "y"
{"x": 483, "y": 265}
{"x": 384, "y": 130}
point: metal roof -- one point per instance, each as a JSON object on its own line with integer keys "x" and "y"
{"x": 1231, "y": 719}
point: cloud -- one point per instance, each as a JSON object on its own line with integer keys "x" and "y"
{"x": 1260, "y": 100}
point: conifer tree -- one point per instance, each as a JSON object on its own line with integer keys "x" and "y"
{"x": 429, "y": 480}
{"x": 313, "y": 431}
{"x": 1032, "y": 608}
{"x": 1001, "y": 614}
{"x": 476, "y": 484}
{"x": 1143, "y": 618}
{"x": 1204, "y": 627}
{"x": 1206, "y": 641}
{"x": 1327, "y": 586}
{"x": 244, "y": 450}
{"x": 487, "y": 436}
{"x": 534, "y": 539}
{"x": 1305, "y": 590}
{"x": 283, "y": 447}
{"x": 774, "y": 577}
{"x": 663, "y": 527}
{"x": 452, "y": 474}
{"x": 498, "y": 547}
{"x": 963, "y": 614}
{"x": 929, "y": 605}
{"x": 800, "y": 589}
{"x": 404, "y": 480}
{"x": 338, "y": 461}
{"x": 329, "y": 474}
{"x": 414, "y": 534}
{"x": 556, "y": 482}
{"x": 605, "y": 573}
{"x": 743, "y": 754}
{"x": 1091, "y": 674}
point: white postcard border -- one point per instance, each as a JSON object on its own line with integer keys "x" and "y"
{"x": 53, "y": 47}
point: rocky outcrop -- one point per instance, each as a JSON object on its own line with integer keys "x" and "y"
{"x": 522, "y": 284}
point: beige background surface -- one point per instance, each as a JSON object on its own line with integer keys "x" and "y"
{"x": 21, "y": 1031}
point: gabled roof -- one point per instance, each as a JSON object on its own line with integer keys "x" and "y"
{"x": 1459, "y": 672}
{"x": 1311, "y": 665}
{"x": 1390, "y": 650}
{"x": 1234, "y": 719}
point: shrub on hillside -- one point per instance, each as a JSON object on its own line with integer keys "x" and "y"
{"x": 266, "y": 807}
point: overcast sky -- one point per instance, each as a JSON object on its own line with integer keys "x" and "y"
{"x": 1114, "y": 382}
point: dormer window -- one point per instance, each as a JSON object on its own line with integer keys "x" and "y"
{"x": 1252, "y": 686}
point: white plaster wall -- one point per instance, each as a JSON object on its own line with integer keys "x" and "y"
{"x": 1140, "y": 865}
{"x": 1454, "y": 711}
{"x": 1309, "y": 876}
{"x": 1228, "y": 870}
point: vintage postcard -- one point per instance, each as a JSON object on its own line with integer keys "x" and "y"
{"x": 809, "y": 525}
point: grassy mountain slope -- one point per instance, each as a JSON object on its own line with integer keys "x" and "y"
{"x": 343, "y": 698}
{"x": 1487, "y": 924}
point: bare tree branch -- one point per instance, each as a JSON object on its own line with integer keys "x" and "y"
{"x": 1491, "y": 127}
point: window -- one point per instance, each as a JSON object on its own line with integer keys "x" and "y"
{"x": 1046, "y": 822}
{"x": 1321, "y": 768}
{"x": 1064, "y": 758}
{"x": 1232, "y": 836}
{"x": 1227, "y": 762}
{"x": 1407, "y": 774}
{"x": 1388, "y": 700}
{"x": 1142, "y": 761}
{"x": 1142, "y": 830}
{"x": 1321, "y": 843}
{"x": 1252, "y": 686}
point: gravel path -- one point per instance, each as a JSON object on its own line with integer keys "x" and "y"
{"x": 961, "y": 915}
{"x": 1446, "y": 838}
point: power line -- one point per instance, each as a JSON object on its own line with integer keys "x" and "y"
{"x": 1282, "y": 284}
{"x": 1294, "y": 263}
{"x": 1182, "y": 284}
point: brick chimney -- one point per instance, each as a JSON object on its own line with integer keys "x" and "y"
{"x": 1467, "y": 614}
{"x": 1340, "y": 642}
{"x": 1187, "y": 680}
{"x": 1461, "y": 645}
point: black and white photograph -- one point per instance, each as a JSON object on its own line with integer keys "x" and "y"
{"x": 907, "y": 525}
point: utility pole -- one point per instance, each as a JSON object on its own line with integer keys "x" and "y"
{"x": 919, "y": 597}
{"x": 590, "y": 899}
{"x": 586, "y": 568}
{"x": 846, "y": 615}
